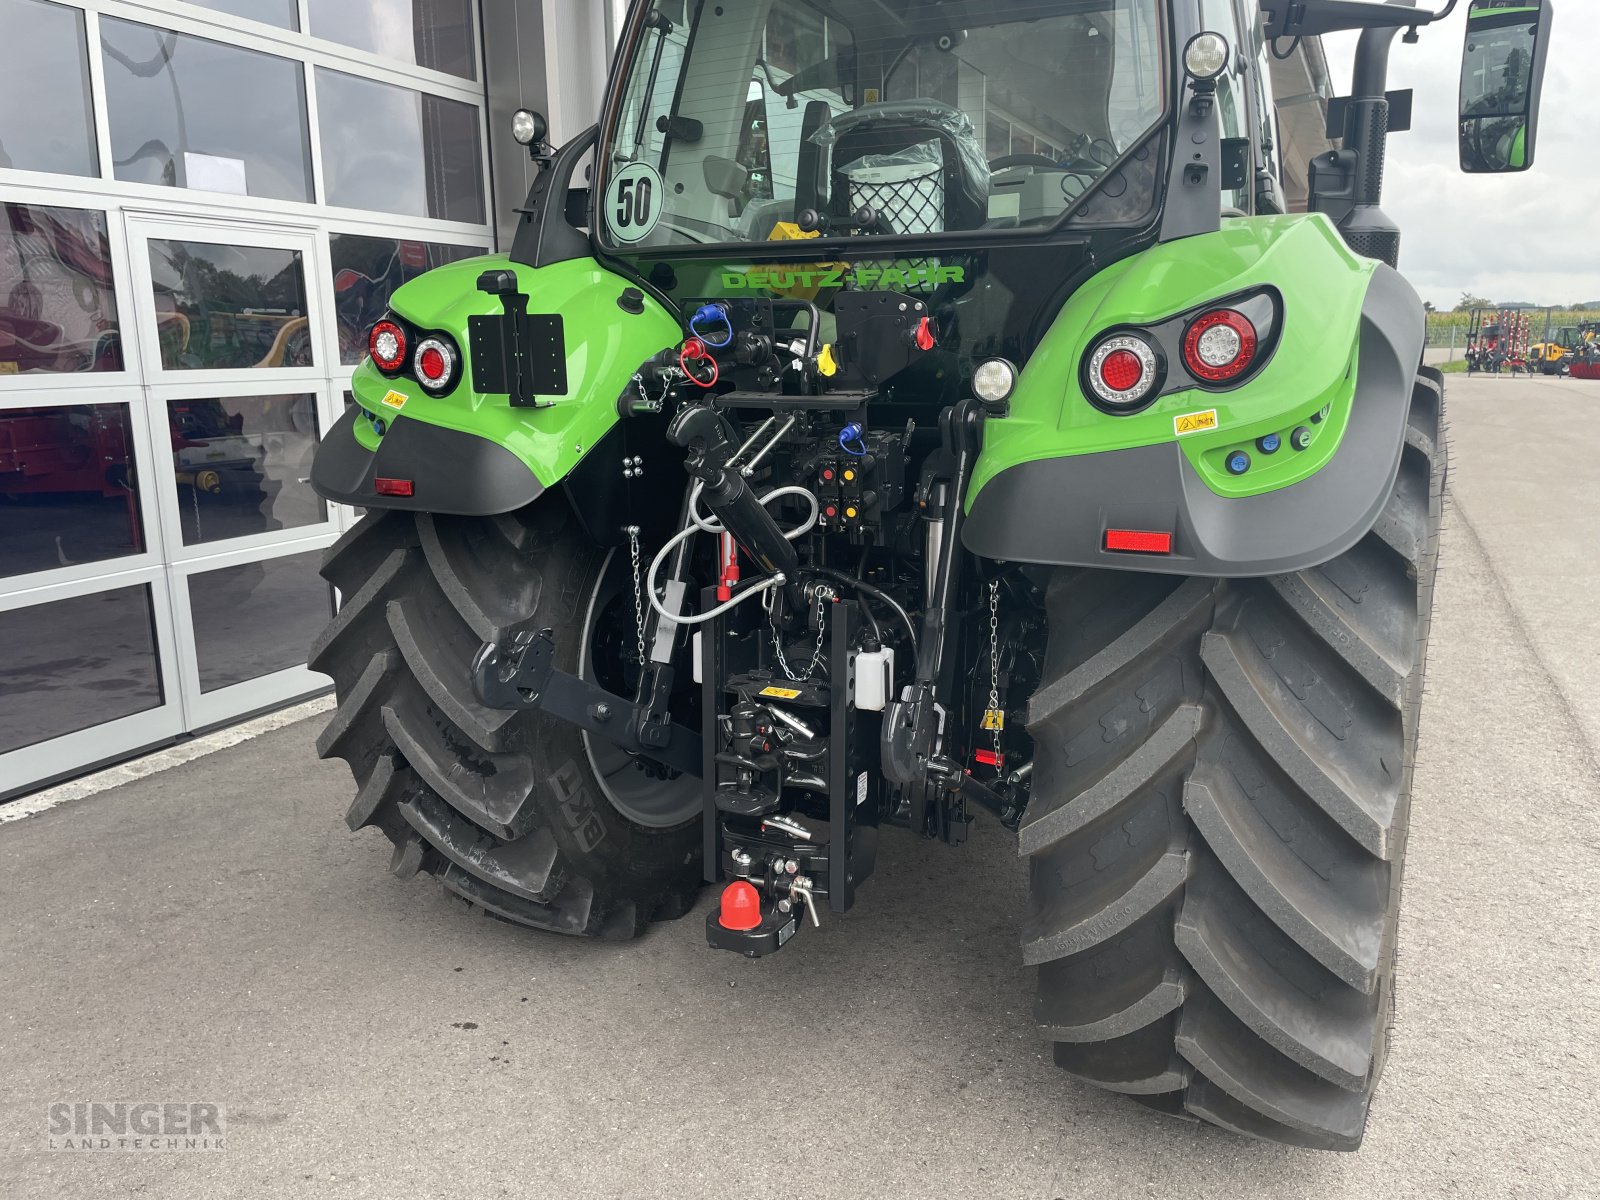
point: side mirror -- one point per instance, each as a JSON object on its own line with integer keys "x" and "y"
{"x": 1502, "y": 74}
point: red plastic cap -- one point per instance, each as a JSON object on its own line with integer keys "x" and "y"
{"x": 741, "y": 906}
{"x": 925, "y": 339}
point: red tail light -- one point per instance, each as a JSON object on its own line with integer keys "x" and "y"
{"x": 387, "y": 345}
{"x": 1122, "y": 373}
{"x": 1220, "y": 346}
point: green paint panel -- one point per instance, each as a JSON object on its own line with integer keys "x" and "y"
{"x": 605, "y": 346}
{"x": 1323, "y": 286}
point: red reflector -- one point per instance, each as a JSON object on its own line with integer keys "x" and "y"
{"x": 1134, "y": 541}
{"x": 394, "y": 487}
{"x": 432, "y": 364}
{"x": 1122, "y": 371}
{"x": 741, "y": 906}
{"x": 988, "y": 757}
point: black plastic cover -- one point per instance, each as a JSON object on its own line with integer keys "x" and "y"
{"x": 453, "y": 472}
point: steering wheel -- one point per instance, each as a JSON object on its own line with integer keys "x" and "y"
{"x": 1007, "y": 161}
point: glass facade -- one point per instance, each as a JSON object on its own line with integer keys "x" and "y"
{"x": 177, "y": 117}
{"x": 428, "y": 161}
{"x": 219, "y": 307}
{"x": 257, "y": 619}
{"x": 58, "y": 308}
{"x": 55, "y": 683}
{"x": 437, "y": 34}
{"x": 195, "y": 236}
{"x": 69, "y": 491}
{"x": 52, "y": 77}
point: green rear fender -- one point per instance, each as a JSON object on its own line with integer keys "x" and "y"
{"x": 1348, "y": 345}
{"x": 469, "y": 451}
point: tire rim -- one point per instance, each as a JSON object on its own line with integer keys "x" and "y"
{"x": 637, "y": 791}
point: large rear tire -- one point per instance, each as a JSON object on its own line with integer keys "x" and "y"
{"x": 1218, "y": 824}
{"x": 516, "y": 813}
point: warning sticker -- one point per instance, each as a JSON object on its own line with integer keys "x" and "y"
{"x": 994, "y": 719}
{"x": 778, "y": 693}
{"x": 1195, "y": 422}
{"x": 395, "y": 400}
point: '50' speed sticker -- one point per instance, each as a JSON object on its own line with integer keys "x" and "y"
{"x": 634, "y": 201}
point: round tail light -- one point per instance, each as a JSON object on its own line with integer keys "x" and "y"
{"x": 1220, "y": 346}
{"x": 387, "y": 345}
{"x": 434, "y": 363}
{"x": 1123, "y": 372}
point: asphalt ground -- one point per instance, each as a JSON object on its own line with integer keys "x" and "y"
{"x": 211, "y": 934}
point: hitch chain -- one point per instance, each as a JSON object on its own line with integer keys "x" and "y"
{"x": 824, "y": 594}
{"x": 638, "y": 589}
{"x": 995, "y": 718}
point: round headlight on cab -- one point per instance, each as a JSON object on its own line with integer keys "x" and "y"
{"x": 527, "y": 127}
{"x": 1206, "y": 56}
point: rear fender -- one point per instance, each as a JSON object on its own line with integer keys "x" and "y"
{"x": 470, "y": 452}
{"x": 1057, "y": 474}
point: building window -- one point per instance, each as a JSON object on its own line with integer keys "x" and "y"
{"x": 53, "y": 685}
{"x": 68, "y": 488}
{"x": 243, "y": 465}
{"x": 58, "y": 302}
{"x": 436, "y": 34}
{"x": 258, "y": 618}
{"x": 45, "y": 117}
{"x": 367, "y": 271}
{"x": 190, "y": 112}
{"x": 229, "y": 307}
{"x": 391, "y": 149}
{"x": 285, "y": 14}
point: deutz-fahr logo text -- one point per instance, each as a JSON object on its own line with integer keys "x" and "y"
{"x": 887, "y": 279}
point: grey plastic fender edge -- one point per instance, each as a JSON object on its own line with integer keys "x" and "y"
{"x": 450, "y": 472}
{"x": 1057, "y": 511}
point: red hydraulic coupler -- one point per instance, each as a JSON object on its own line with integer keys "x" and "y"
{"x": 729, "y": 575}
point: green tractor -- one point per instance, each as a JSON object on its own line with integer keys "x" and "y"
{"x": 919, "y": 408}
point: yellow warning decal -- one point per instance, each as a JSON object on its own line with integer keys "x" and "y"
{"x": 1195, "y": 422}
{"x": 994, "y": 719}
{"x": 395, "y": 399}
{"x": 778, "y": 693}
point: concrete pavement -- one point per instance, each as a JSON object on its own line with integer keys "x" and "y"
{"x": 213, "y": 934}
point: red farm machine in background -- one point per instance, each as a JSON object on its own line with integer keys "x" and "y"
{"x": 1498, "y": 341}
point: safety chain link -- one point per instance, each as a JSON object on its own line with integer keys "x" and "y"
{"x": 824, "y": 594}
{"x": 996, "y": 717}
{"x": 638, "y": 589}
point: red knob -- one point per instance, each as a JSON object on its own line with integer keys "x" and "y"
{"x": 741, "y": 906}
{"x": 925, "y": 335}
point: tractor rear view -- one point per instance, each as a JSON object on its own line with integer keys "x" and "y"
{"x": 936, "y": 410}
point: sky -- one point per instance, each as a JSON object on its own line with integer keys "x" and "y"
{"x": 1532, "y": 236}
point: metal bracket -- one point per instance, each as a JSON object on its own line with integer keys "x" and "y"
{"x": 521, "y": 674}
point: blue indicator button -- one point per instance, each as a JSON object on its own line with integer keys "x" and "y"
{"x": 1238, "y": 463}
